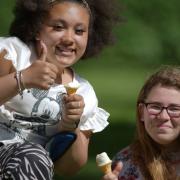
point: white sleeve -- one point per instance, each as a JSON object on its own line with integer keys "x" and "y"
{"x": 6, "y": 45}
{"x": 17, "y": 52}
{"x": 93, "y": 118}
{"x": 5, "y": 115}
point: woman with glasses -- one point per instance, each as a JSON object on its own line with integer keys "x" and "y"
{"x": 155, "y": 154}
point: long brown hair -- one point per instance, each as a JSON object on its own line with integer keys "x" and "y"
{"x": 149, "y": 156}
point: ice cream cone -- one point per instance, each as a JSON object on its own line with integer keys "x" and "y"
{"x": 104, "y": 162}
{"x": 106, "y": 168}
{"x": 71, "y": 88}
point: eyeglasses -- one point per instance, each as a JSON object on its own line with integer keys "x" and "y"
{"x": 156, "y": 108}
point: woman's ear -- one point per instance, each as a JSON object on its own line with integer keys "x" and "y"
{"x": 141, "y": 111}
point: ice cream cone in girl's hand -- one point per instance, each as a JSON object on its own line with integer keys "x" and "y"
{"x": 71, "y": 88}
{"x": 104, "y": 162}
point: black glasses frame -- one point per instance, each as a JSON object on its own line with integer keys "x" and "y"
{"x": 169, "y": 112}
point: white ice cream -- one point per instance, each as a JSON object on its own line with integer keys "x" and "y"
{"x": 102, "y": 159}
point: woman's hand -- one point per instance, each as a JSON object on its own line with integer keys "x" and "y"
{"x": 72, "y": 112}
{"x": 115, "y": 173}
{"x": 41, "y": 74}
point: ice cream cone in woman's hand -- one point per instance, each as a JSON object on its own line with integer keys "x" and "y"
{"x": 104, "y": 162}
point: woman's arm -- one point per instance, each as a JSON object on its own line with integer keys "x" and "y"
{"x": 76, "y": 156}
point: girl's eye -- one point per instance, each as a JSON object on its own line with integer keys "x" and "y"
{"x": 79, "y": 31}
{"x": 58, "y": 27}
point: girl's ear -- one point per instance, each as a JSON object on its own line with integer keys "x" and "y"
{"x": 141, "y": 111}
{"x": 37, "y": 37}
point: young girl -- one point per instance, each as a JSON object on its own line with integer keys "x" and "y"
{"x": 46, "y": 38}
{"x": 156, "y": 152}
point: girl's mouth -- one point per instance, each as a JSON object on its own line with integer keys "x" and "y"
{"x": 64, "y": 51}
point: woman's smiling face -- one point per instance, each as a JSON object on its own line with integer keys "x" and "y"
{"x": 162, "y": 127}
{"x": 65, "y": 33}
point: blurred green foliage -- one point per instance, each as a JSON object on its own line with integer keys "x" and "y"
{"x": 148, "y": 38}
{"x": 150, "y": 34}
{"x": 6, "y": 15}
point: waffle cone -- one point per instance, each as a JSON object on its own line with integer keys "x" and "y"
{"x": 106, "y": 168}
{"x": 71, "y": 90}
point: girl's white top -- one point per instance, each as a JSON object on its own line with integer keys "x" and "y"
{"x": 36, "y": 116}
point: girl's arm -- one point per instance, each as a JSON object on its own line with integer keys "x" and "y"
{"x": 76, "y": 156}
{"x": 8, "y": 84}
{"x": 40, "y": 74}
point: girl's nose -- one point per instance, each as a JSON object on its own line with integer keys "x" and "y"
{"x": 68, "y": 37}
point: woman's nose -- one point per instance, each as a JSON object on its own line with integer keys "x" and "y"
{"x": 164, "y": 115}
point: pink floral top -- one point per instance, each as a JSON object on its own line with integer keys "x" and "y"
{"x": 129, "y": 171}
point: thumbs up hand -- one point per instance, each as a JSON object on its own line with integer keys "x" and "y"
{"x": 41, "y": 74}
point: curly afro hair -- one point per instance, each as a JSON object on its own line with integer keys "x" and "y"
{"x": 30, "y": 15}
